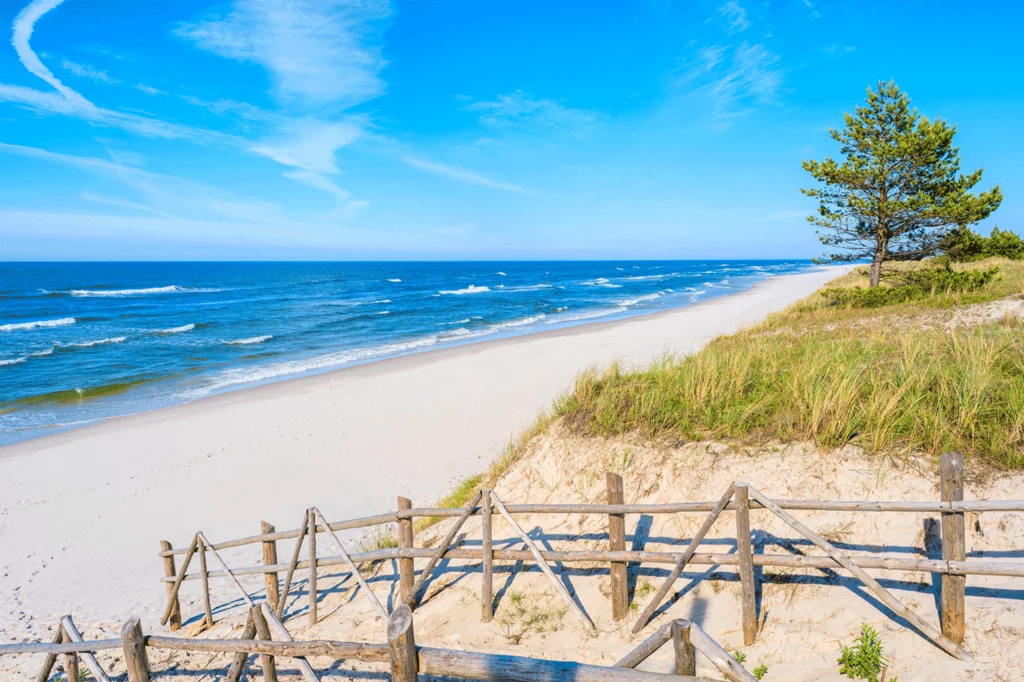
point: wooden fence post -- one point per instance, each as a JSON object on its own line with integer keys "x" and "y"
{"x": 312, "y": 568}
{"x": 71, "y": 670}
{"x": 686, "y": 654}
{"x": 406, "y": 567}
{"x": 170, "y": 572}
{"x": 51, "y": 659}
{"x": 746, "y": 564}
{"x": 241, "y": 658}
{"x": 205, "y": 575}
{"x": 487, "y": 562}
{"x": 619, "y": 570}
{"x": 269, "y": 559}
{"x": 954, "y": 546}
{"x": 267, "y": 662}
{"x": 402, "y": 646}
{"x": 134, "y": 645}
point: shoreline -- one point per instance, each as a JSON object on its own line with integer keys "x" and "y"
{"x": 82, "y": 511}
{"x": 569, "y": 329}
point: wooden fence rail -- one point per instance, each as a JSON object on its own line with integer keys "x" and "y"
{"x": 739, "y": 497}
{"x": 407, "y": 660}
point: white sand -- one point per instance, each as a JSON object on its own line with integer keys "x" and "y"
{"x": 81, "y": 513}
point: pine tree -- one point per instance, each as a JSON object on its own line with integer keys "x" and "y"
{"x": 899, "y": 188}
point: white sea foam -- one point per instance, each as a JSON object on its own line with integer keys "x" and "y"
{"x": 471, "y": 289}
{"x": 249, "y": 341}
{"x": 172, "y": 289}
{"x": 13, "y": 361}
{"x": 527, "y": 287}
{"x": 383, "y": 312}
{"x": 176, "y": 330}
{"x": 601, "y": 282}
{"x": 502, "y": 274}
{"x": 41, "y": 353}
{"x": 395, "y": 280}
{"x": 97, "y": 342}
{"x": 39, "y": 324}
{"x": 640, "y": 299}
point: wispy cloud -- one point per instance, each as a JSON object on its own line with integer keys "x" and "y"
{"x": 729, "y": 81}
{"x": 517, "y": 110}
{"x": 462, "y": 174}
{"x": 316, "y": 52}
{"x": 24, "y": 25}
{"x": 86, "y": 71}
{"x": 734, "y": 16}
{"x": 164, "y": 194}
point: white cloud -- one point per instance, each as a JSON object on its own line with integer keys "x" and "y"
{"x": 124, "y": 203}
{"x": 727, "y": 82}
{"x": 309, "y": 144}
{"x": 24, "y": 25}
{"x": 463, "y": 174}
{"x": 86, "y": 71}
{"x": 164, "y": 194}
{"x": 316, "y": 52}
{"x": 735, "y": 16}
{"x": 519, "y": 110}
{"x": 149, "y": 90}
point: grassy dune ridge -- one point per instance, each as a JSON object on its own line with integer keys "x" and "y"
{"x": 896, "y": 378}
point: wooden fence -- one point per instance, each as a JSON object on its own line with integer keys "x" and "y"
{"x": 739, "y": 497}
{"x": 265, "y": 636}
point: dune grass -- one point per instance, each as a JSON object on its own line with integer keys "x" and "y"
{"x": 881, "y": 378}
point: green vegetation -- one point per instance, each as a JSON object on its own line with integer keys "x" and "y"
{"x": 760, "y": 671}
{"x": 911, "y": 285}
{"x": 889, "y": 378}
{"x": 964, "y": 245}
{"x": 739, "y": 656}
{"x": 864, "y": 660}
{"x": 898, "y": 189}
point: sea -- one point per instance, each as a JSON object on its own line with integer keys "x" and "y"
{"x": 84, "y": 342}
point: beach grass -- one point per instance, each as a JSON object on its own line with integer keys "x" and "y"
{"x": 896, "y": 378}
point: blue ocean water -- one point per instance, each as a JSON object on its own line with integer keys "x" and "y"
{"x": 81, "y": 342}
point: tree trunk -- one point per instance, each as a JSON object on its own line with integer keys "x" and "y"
{"x": 876, "y": 263}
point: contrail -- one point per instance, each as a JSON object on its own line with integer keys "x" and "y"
{"x": 24, "y": 23}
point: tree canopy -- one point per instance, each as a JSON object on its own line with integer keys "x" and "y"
{"x": 898, "y": 189}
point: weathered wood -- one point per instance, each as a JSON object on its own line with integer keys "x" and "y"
{"x": 487, "y": 560}
{"x": 73, "y": 635}
{"x": 618, "y": 570}
{"x": 216, "y": 555}
{"x": 406, "y": 567}
{"x": 312, "y": 569}
{"x": 402, "y": 646}
{"x": 279, "y": 631}
{"x": 51, "y": 653}
{"x": 172, "y": 595}
{"x": 291, "y": 568}
{"x": 469, "y": 665}
{"x": 539, "y": 558}
{"x": 267, "y": 662}
{"x": 57, "y": 648}
{"x": 646, "y": 648}
{"x": 1000, "y": 568}
{"x": 338, "y": 650}
{"x": 133, "y": 644}
{"x": 238, "y": 664}
{"x": 269, "y": 559}
{"x": 721, "y": 659}
{"x": 170, "y": 572}
{"x": 870, "y": 583}
{"x": 686, "y": 653}
{"x": 413, "y": 597}
{"x": 666, "y": 586}
{"x": 340, "y": 548}
{"x": 204, "y": 576}
{"x": 746, "y": 566}
{"x": 954, "y": 546}
{"x": 71, "y": 670}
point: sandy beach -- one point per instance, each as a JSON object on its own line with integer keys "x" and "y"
{"x": 81, "y": 513}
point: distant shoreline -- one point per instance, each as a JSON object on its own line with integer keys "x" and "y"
{"x": 155, "y": 404}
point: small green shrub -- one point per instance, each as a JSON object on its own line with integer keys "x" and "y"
{"x": 739, "y": 656}
{"x": 760, "y": 671}
{"x": 964, "y": 245}
{"x": 864, "y": 660}
{"x": 912, "y": 285}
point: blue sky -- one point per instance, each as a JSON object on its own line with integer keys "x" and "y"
{"x": 161, "y": 129}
